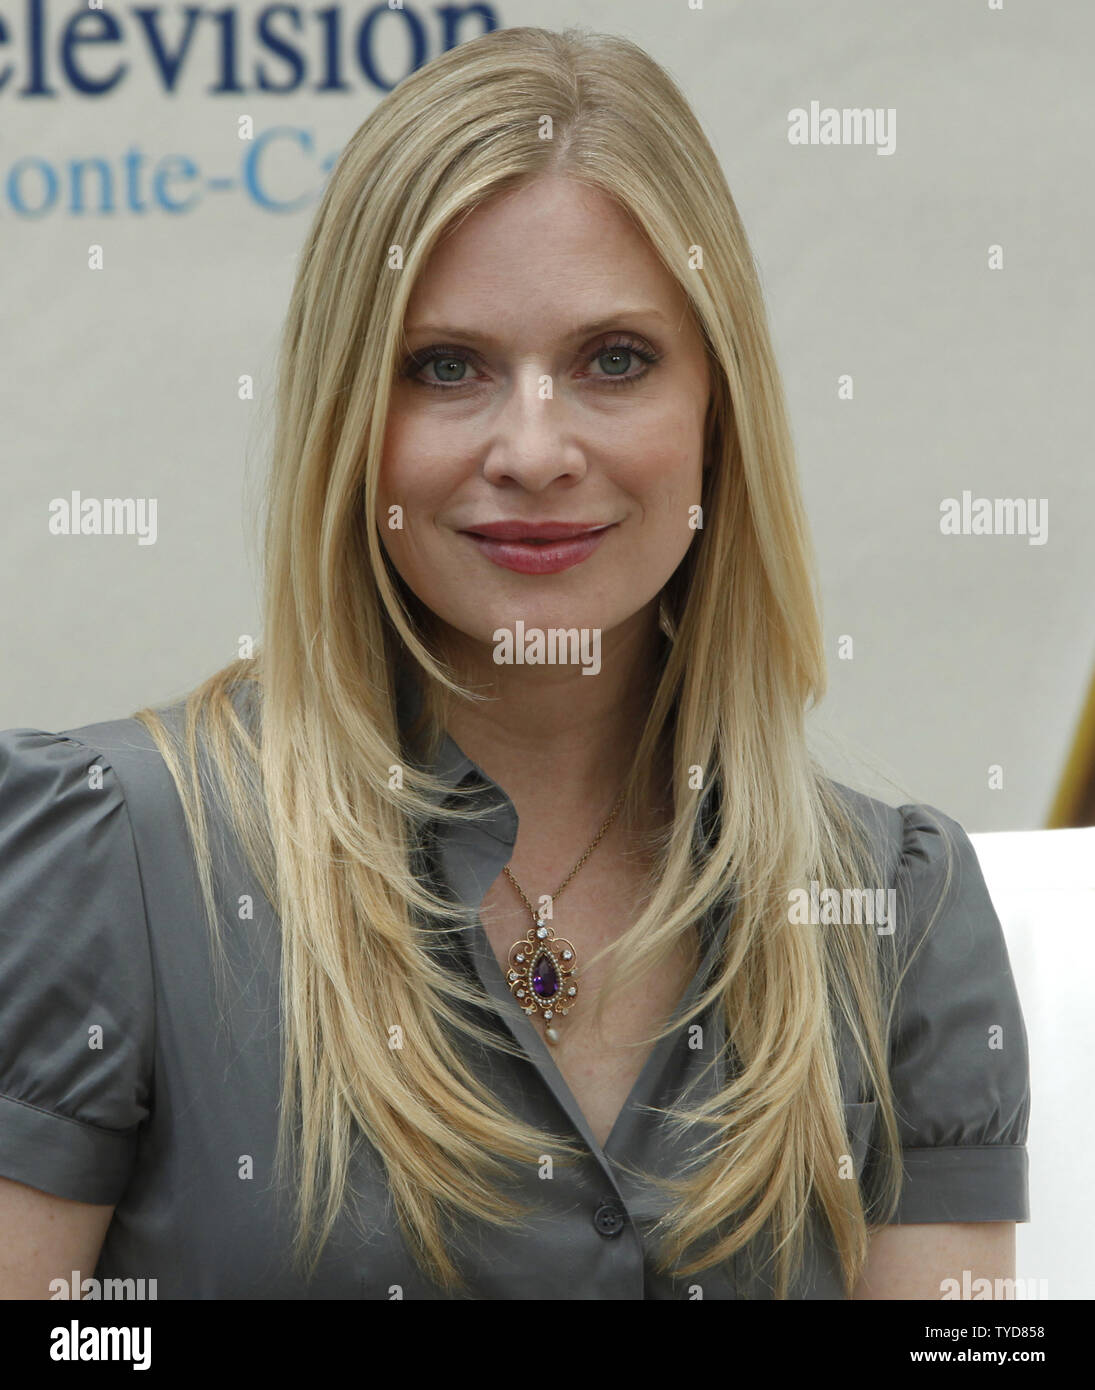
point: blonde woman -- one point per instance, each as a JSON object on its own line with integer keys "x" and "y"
{"x": 491, "y": 933}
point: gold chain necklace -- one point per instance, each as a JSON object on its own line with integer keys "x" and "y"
{"x": 542, "y": 965}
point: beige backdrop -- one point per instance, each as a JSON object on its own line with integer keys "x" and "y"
{"x": 969, "y": 651}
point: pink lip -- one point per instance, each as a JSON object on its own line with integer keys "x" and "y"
{"x": 511, "y": 544}
{"x": 535, "y": 530}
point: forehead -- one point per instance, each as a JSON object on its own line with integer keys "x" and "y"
{"x": 542, "y": 250}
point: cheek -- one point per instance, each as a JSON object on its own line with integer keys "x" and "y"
{"x": 417, "y": 471}
{"x": 404, "y": 486}
{"x": 399, "y": 478}
{"x": 665, "y": 480}
{"x": 667, "y": 477}
{"x": 421, "y": 473}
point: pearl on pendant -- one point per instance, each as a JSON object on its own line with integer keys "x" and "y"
{"x": 552, "y": 1035}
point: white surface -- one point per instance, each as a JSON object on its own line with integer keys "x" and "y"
{"x": 1043, "y": 887}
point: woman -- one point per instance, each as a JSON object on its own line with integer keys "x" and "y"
{"x": 521, "y": 763}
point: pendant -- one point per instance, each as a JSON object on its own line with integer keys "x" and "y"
{"x": 539, "y": 974}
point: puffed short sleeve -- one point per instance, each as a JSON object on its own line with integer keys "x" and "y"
{"x": 76, "y": 994}
{"x": 958, "y": 1048}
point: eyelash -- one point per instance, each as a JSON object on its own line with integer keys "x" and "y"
{"x": 425, "y": 356}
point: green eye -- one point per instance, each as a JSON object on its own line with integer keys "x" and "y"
{"x": 450, "y": 364}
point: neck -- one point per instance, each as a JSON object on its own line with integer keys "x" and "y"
{"x": 550, "y": 734}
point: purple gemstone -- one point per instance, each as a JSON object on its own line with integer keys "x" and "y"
{"x": 544, "y": 979}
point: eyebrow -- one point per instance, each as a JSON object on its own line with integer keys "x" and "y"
{"x": 583, "y": 330}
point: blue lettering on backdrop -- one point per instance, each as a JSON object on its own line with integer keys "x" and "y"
{"x": 252, "y": 171}
{"x": 92, "y": 27}
{"x": 90, "y": 52}
{"x": 194, "y": 49}
{"x": 33, "y": 187}
{"x": 282, "y": 48}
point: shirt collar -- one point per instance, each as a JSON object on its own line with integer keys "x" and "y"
{"x": 451, "y": 765}
{"x": 455, "y": 769}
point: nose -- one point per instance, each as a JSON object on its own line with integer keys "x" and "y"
{"x": 530, "y": 443}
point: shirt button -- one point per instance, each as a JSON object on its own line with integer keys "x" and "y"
{"x": 609, "y": 1219}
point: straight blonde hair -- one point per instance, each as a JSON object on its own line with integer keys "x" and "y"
{"x": 333, "y": 836}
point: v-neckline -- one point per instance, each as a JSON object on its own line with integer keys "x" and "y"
{"x": 538, "y": 1052}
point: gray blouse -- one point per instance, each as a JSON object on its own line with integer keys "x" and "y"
{"x": 120, "y": 1083}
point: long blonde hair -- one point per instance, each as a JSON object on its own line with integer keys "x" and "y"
{"x": 332, "y": 833}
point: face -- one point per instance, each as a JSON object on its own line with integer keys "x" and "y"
{"x": 545, "y": 439}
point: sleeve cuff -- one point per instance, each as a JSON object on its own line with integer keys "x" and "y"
{"x": 964, "y": 1182}
{"x": 63, "y": 1156}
